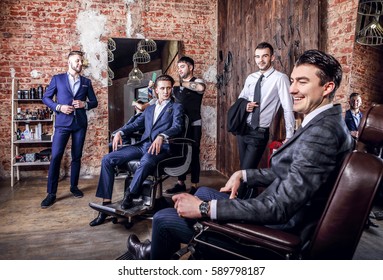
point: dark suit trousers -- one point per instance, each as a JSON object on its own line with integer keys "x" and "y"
{"x": 169, "y": 230}
{"x": 147, "y": 166}
{"x": 60, "y": 140}
{"x": 194, "y": 133}
{"x": 251, "y": 147}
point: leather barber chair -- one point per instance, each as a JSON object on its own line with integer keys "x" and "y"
{"x": 151, "y": 198}
{"x": 338, "y": 231}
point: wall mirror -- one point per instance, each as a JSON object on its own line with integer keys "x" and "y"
{"x": 132, "y": 70}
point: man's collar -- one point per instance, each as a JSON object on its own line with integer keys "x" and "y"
{"x": 316, "y": 112}
{"x": 268, "y": 72}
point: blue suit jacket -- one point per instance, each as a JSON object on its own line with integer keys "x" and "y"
{"x": 300, "y": 178}
{"x": 170, "y": 122}
{"x": 59, "y": 87}
{"x": 350, "y": 122}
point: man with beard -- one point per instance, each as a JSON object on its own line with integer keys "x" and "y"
{"x": 264, "y": 91}
{"x": 69, "y": 95}
{"x": 189, "y": 93}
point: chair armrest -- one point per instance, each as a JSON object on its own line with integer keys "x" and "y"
{"x": 180, "y": 141}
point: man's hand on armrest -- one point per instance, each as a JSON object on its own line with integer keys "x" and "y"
{"x": 117, "y": 140}
{"x": 155, "y": 147}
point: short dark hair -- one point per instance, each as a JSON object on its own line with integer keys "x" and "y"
{"x": 187, "y": 60}
{"x": 265, "y": 45}
{"x": 80, "y": 53}
{"x": 354, "y": 94}
{"x": 329, "y": 69}
{"x": 164, "y": 78}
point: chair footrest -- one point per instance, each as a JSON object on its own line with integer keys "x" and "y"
{"x": 115, "y": 209}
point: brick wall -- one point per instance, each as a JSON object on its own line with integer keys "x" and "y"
{"x": 37, "y": 35}
{"x": 362, "y": 67}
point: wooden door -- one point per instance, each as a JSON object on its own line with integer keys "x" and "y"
{"x": 290, "y": 26}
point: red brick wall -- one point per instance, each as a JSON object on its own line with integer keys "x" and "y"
{"x": 367, "y": 74}
{"x": 37, "y": 35}
{"x": 340, "y": 28}
{"x": 362, "y": 67}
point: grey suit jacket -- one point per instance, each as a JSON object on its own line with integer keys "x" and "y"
{"x": 300, "y": 177}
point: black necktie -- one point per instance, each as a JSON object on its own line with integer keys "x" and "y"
{"x": 257, "y": 98}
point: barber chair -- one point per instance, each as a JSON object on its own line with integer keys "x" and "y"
{"x": 151, "y": 198}
{"x": 334, "y": 236}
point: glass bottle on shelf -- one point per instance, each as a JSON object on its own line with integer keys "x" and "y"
{"x": 40, "y": 92}
{"x": 18, "y": 134}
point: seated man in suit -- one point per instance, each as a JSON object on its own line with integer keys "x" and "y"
{"x": 353, "y": 116}
{"x": 298, "y": 182}
{"x": 163, "y": 120}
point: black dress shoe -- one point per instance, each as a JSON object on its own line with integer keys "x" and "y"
{"x": 99, "y": 220}
{"x": 48, "y": 201}
{"x": 192, "y": 190}
{"x": 76, "y": 192}
{"x": 176, "y": 189}
{"x": 140, "y": 250}
{"x": 127, "y": 202}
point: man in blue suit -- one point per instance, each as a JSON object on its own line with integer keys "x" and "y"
{"x": 354, "y": 115}
{"x": 161, "y": 120}
{"x": 74, "y": 95}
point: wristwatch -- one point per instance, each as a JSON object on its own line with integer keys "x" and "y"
{"x": 204, "y": 208}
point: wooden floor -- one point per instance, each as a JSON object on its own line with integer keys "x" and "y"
{"x": 62, "y": 231}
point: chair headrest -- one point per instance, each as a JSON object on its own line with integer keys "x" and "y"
{"x": 371, "y": 126}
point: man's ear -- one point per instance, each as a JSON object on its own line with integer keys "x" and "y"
{"x": 328, "y": 88}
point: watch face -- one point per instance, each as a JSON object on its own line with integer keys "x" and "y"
{"x": 204, "y": 208}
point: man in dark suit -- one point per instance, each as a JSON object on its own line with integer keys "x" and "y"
{"x": 354, "y": 115}
{"x": 73, "y": 96}
{"x": 296, "y": 185}
{"x": 162, "y": 120}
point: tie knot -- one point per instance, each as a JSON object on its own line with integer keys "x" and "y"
{"x": 261, "y": 77}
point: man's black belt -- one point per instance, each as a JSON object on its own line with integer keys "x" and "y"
{"x": 259, "y": 129}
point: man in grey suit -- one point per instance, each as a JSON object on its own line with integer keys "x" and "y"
{"x": 298, "y": 182}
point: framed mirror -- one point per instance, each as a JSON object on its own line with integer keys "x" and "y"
{"x": 123, "y": 89}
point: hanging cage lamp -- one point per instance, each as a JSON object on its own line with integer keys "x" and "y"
{"x": 141, "y": 57}
{"x": 370, "y": 7}
{"x": 110, "y": 73}
{"x": 111, "y": 44}
{"x": 135, "y": 76}
{"x": 371, "y": 34}
{"x": 148, "y": 45}
{"x": 110, "y": 56}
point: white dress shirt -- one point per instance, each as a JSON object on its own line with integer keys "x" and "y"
{"x": 274, "y": 92}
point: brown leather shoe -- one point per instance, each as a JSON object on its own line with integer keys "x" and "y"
{"x": 140, "y": 250}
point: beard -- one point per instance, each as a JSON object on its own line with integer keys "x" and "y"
{"x": 76, "y": 69}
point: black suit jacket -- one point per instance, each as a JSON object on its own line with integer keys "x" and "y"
{"x": 236, "y": 117}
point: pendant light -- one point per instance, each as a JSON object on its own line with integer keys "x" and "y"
{"x": 148, "y": 45}
{"x": 141, "y": 56}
